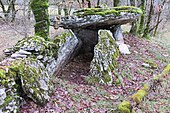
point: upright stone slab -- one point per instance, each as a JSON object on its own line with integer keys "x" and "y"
{"x": 69, "y": 47}
{"x": 104, "y": 61}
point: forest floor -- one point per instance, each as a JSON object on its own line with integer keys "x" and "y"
{"x": 74, "y": 95}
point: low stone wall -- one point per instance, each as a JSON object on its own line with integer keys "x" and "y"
{"x": 30, "y": 67}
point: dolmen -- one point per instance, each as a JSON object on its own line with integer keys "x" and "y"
{"x": 100, "y": 37}
{"x": 32, "y": 64}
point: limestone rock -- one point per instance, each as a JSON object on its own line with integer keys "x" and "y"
{"x": 101, "y": 18}
{"x": 16, "y": 56}
{"x": 104, "y": 61}
{"x": 9, "y": 98}
{"x": 123, "y": 48}
{"x": 69, "y": 45}
{"x": 22, "y": 52}
{"x": 35, "y": 81}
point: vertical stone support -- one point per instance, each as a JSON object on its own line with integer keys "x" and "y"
{"x": 117, "y": 33}
{"x": 40, "y": 10}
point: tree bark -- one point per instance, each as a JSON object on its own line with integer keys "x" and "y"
{"x": 146, "y": 31}
{"x": 133, "y": 29}
{"x": 40, "y": 10}
{"x": 158, "y": 20}
{"x": 89, "y": 3}
{"x": 98, "y": 3}
{"x": 142, "y": 19}
{"x": 116, "y": 3}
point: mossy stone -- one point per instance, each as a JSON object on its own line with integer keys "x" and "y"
{"x": 125, "y": 107}
{"x": 107, "y": 11}
{"x": 105, "y": 55}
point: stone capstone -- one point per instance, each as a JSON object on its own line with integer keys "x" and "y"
{"x": 101, "y": 18}
{"x": 85, "y": 24}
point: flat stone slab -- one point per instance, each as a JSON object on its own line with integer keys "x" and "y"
{"x": 101, "y": 18}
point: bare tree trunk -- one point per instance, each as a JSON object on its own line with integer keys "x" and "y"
{"x": 116, "y": 3}
{"x": 2, "y": 6}
{"x": 158, "y": 20}
{"x": 98, "y": 3}
{"x": 89, "y": 3}
{"x": 79, "y": 3}
{"x": 10, "y": 9}
{"x": 83, "y": 3}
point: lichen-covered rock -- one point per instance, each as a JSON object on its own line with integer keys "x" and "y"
{"x": 125, "y": 107}
{"x": 9, "y": 96}
{"x": 104, "y": 61}
{"x": 24, "y": 77}
{"x": 34, "y": 47}
{"x": 35, "y": 81}
{"x": 30, "y": 67}
{"x": 69, "y": 45}
{"x": 101, "y": 18}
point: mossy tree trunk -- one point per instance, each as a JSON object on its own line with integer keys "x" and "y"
{"x": 147, "y": 28}
{"x": 133, "y": 29}
{"x": 142, "y": 19}
{"x": 40, "y": 10}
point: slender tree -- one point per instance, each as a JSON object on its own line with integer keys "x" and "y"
{"x": 98, "y": 3}
{"x": 147, "y": 28}
{"x": 133, "y": 29}
{"x": 116, "y": 3}
{"x": 40, "y": 10}
{"x": 142, "y": 19}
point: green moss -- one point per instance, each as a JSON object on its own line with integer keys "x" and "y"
{"x": 61, "y": 39}
{"x": 145, "y": 87}
{"x": 125, "y": 107}
{"x": 106, "y": 11}
{"x": 8, "y": 99}
{"x": 166, "y": 70}
{"x": 2, "y": 74}
{"x": 137, "y": 97}
{"x": 40, "y": 10}
{"x": 152, "y": 64}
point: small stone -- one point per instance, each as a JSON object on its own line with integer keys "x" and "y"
{"x": 146, "y": 65}
{"x": 2, "y": 96}
{"x": 43, "y": 85}
{"x": 39, "y": 57}
{"x": 23, "y": 52}
{"x": 7, "y": 51}
{"x": 123, "y": 48}
{"x": 15, "y": 55}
